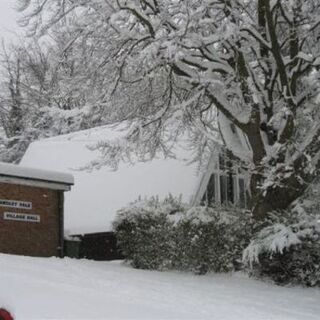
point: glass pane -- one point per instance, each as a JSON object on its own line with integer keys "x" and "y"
{"x": 222, "y": 162}
{"x": 223, "y": 189}
{"x": 230, "y": 189}
{"x": 211, "y": 190}
{"x": 242, "y": 196}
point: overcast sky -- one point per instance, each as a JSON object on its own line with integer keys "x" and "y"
{"x": 8, "y": 17}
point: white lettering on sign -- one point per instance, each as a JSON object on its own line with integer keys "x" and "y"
{"x": 21, "y": 217}
{"x": 15, "y": 204}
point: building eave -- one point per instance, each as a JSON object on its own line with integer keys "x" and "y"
{"x": 35, "y": 182}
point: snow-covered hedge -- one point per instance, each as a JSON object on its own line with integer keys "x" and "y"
{"x": 210, "y": 239}
{"x": 143, "y": 231}
{"x": 160, "y": 235}
{"x": 287, "y": 249}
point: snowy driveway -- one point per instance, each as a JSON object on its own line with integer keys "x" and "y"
{"x": 36, "y": 288}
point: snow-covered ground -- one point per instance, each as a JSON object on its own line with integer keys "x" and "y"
{"x": 38, "y": 288}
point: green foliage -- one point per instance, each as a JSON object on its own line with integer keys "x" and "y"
{"x": 160, "y": 235}
{"x": 287, "y": 249}
{"x": 143, "y": 232}
{"x": 210, "y": 239}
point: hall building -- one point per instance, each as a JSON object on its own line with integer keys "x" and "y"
{"x": 32, "y": 210}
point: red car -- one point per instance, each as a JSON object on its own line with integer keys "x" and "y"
{"x": 5, "y": 315}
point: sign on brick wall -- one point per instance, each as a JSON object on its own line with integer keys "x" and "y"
{"x": 15, "y": 204}
{"x": 21, "y": 217}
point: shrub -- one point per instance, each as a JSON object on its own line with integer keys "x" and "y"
{"x": 210, "y": 239}
{"x": 144, "y": 232}
{"x": 154, "y": 234}
{"x": 287, "y": 249}
{"x": 166, "y": 234}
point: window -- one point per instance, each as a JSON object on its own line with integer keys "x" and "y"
{"x": 225, "y": 186}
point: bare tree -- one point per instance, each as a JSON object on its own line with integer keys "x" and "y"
{"x": 37, "y": 97}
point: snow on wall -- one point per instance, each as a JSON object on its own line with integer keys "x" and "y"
{"x": 27, "y": 172}
{"x": 96, "y": 196}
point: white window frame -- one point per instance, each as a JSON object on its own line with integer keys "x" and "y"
{"x": 214, "y": 168}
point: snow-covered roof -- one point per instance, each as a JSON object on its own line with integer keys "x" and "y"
{"x": 96, "y": 196}
{"x": 53, "y": 178}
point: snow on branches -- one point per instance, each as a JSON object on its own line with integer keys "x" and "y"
{"x": 153, "y": 63}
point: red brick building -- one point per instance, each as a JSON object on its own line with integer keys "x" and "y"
{"x": 31, "y": 210}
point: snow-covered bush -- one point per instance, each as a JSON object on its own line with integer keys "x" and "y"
{"x": 287, "y": 249}
{"x": 144, "y": 232}
{"x": 210, "y": 239}
{"x": 166, "y": 234}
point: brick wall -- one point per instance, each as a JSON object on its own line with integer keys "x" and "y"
{"x": 30, "y": 238}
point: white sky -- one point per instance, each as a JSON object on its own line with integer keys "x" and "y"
{"x": 9, "y": 28}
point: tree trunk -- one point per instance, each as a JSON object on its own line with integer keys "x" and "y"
{"x": 277, "y": 197}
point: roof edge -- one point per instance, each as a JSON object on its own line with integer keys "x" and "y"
{"x": 35, "y": 183}
{"x": 8, "y": 170}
